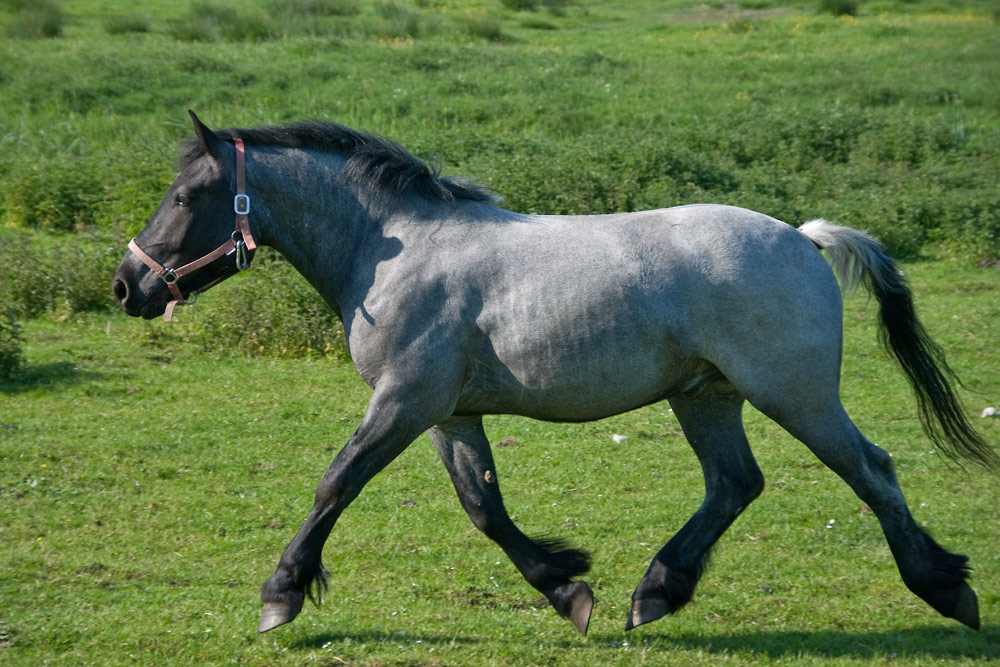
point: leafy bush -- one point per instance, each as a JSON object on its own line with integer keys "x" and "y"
{"x": 267, "y": 311}
{"x": 554, "y": 6}
{"x": 121, "y": 24}
{"x": 315, "y": 7}
{"x": 67, "y": 273}
{"x": 397, "y": 20}
{"x": 521, "y": 5}
{"x": 840, "y": 7}
{"x": 971, "y": 228}
{"x": 11, "y": 358}
{"x": 208, "y": 19}
{"x": 484, "y": 26}
{"x": 54, "y": 194}
{"x": 23, "y": 279}
{"x": 193, "y": 28}
{"x": 248, "y": 26}
{"x": 35, "y": 19}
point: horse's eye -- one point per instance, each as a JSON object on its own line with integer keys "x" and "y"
{"x": 183, "y": 200}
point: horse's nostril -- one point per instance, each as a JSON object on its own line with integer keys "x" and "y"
{"x": 120, "y": 289}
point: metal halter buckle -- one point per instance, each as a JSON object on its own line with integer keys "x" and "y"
{"x": 241, "y": 204}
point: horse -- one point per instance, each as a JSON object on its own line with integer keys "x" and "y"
{"x": 454, "y": 308}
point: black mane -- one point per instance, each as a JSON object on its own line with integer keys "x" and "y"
{"x": 374, "y": 162}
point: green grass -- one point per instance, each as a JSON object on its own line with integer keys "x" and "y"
{"x": 147, "y": 489}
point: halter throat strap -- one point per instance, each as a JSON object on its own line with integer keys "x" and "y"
{"x": 241, "y": 242}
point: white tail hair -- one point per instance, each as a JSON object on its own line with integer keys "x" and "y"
{"x": 852, "y": 253}
{"x": 858, "y": 259}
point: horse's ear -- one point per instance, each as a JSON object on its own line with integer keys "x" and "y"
{"x": 210, "y": 142}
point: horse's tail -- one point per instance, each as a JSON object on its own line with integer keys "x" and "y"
{"x": 858, "y": 259}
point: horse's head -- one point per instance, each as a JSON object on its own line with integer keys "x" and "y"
{"x": 191, "y": 243}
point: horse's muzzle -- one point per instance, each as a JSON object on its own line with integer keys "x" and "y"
{"x": 131, "y": 298}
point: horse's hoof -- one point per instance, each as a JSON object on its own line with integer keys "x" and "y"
{"x": 278, "y": 613}
{"x": 645, "y": 610}
{"x": 966, "y": 609}
{"x": 581, "y": 604}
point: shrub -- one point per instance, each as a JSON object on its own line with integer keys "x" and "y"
{"x": 521, "y": 5}
{"x": 538, "y": 23}
{"x": 208, "y": 19}
{"x": 269, "y": 311}
{"x": 484, "y": 26}
{"x": 315, "y": 7}
{"x": 203, "y": 22}
{"x": 119, "y": 25}
{"x": 840, "y": 7}
{"x": 970, "y": 229}
{"x": 54, "y": 194}
{"x": 36, "y": 19}
{"x": 554, "y": 6}
{"x": 22, "y": 276}
{"x": 247, "y": 26}
{"x": 397, "y": 20}
{"x": 65, "y": 273}
{"x": 193, "y": 29}
{"x": 11, "y": 358}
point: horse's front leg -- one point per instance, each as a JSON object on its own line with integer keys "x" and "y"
{"x": 388, "y": 428}
{"x": 465, "y": 451}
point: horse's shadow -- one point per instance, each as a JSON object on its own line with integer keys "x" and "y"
{"x": 60, "y": 373}
{"x": 932, "y": 642}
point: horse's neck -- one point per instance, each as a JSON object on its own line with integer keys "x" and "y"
{"x": 315, "y": 223}
{"x": 336, "y": 239}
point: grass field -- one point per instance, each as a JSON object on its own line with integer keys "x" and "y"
{"x": 151, "y": 475}
{"x": 148, "y": 489}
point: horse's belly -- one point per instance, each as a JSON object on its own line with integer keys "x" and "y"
{"x": 568, "y": 388}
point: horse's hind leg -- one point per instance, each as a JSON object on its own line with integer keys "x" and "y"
{"x": 465, "y": 451}
{"x": 712, "y": 423}
{"x": 933, "y": 574}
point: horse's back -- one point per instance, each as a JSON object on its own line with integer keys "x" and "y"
{"x": 593, "y": 315}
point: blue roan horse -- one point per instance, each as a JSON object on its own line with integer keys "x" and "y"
{"x": 454, "y": 308}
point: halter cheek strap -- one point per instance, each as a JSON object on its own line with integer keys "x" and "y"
{"x": 245, "y": 243}
{"x": 241, "y": 203}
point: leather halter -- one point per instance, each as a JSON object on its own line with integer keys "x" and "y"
{"x": 240, "y": 246}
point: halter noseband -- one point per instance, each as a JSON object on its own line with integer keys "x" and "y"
{"x": 246, "y": 243}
